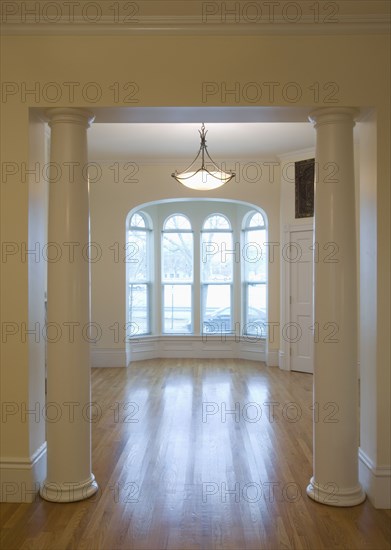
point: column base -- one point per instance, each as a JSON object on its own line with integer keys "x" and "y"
{"x": 331, "y": 495}
{"x": 68, "y": 492}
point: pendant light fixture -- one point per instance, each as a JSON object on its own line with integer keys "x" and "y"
{"x": 203, "y": 178}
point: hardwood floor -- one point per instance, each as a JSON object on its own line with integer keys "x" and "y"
{"x": 178, "y": 468}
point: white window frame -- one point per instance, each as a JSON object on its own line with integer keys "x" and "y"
{"x": 238, "y": 227}
{"x": 246, "y": 229}
{"x": 164, "y": 283}
{"x": 148, "y": 230}
{"x": 225, "y": 283}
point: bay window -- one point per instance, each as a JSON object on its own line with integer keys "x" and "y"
{"x": 209, "y": 276}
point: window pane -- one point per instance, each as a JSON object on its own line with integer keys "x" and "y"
{"x": 216, "y": 257}
{"x": 254, "y": 256}
{"x": 177, "y": 261}
{"x": 256, "y": 220}
{"x": 136, "y": 256}
{"x": 216, "y": 222}
{"x": 137, "y": 221}
{"x": 216, "y": 309}
{"x": 177, "y": 309}
{"x": 138, "y": 310}
{"x": 177, "y": 222}
{"x": 255, "y": 315}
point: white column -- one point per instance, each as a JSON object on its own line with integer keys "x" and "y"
{"x": 68, "y": 409}
{"x": 335, "y": 479}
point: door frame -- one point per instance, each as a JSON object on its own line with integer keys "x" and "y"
{"x": 284, "y": 359}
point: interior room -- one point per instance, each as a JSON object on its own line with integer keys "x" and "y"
{"x": 190, "y": 367}
{"x": 265, "y": 155}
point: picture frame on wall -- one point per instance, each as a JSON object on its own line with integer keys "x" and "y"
{"x": 304, "y": 188}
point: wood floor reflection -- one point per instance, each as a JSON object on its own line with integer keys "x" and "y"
{"x": 198, "y": 454}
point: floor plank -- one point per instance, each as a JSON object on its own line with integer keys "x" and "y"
{"x": 198, "y": 454}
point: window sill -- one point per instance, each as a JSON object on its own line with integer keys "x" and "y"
{"x": 195, "y": 346}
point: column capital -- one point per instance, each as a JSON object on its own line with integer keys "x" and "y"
{"x": 71, "y": 115}
{"x": 333, "y": 115}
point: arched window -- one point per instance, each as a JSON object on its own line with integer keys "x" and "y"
{"x": 216, "y": 275}
{"x": 138, "y": 259}
{"x": 254, "y": 274}
{"x": 224, "y": 292}
{"x": 177, "y": 275}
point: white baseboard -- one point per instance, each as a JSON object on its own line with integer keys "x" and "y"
{"x": 282, "y": 362}
{"x": 22, "y": 477}
{"x": 106, "y": 357}
{"x": 376, "y": 481}
{"x": 272, "y": 358}
{"x": 197, "y": 347}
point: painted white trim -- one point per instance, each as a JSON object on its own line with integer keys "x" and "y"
{"x": 376, "y": 481}
{"x": 285, "y": 306}
{"x": 272, "y": 358}
{"x": 65, "y": 492}
{"x": 282, "y": 363}
{"x": 284, "y": 301}
{"x": 106, "y": 357}
{"x": 24, "y": 461}
{"x": 154, "y": 347}
{"x": 299, "y": 154}
{"x": 349, "y": 496}
{"x": 21, "y": 477}
{"x": 301, "y": 226}
{"x": 195, "y": 25}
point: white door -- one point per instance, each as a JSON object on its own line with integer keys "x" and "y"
{"x": 299, "y": 331}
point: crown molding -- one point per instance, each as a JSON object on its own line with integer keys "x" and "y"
{"x": 194, "y": 25}
{"x": 295, "y": 155}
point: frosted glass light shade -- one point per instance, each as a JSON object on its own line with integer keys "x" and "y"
{"x": 201, "y": 180}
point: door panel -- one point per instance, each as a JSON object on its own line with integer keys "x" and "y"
{"x": 300, "y": 335}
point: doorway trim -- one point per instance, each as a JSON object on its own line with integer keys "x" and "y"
{"x": 284, "y": 359}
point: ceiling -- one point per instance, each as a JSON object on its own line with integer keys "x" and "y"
{"x": 195, "y": 7}
{"x": 160, "y": 142}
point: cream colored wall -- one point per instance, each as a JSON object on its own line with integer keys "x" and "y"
{"x": 374, "y": 319}
{"x": 383, "y": 355}
{"x": 37, "y": 266}
{"x": 23, "y": 231}
{"x": 170, "y": 71}
{"x": 110, "y": 204}
{"x": 14, "y": 372}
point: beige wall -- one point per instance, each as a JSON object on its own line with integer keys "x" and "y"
{"x": 169, "y": 71}
{"x": 375, "y": 311}
{"x": 110, "y": 204}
